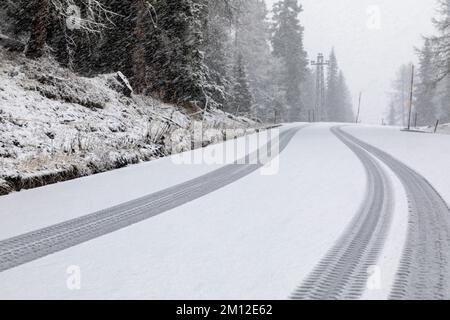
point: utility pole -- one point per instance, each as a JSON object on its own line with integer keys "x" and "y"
{"x": 403, "y": 80}
{"x": 320, "y": 86}
{"x": 359, "y": 108}
{"x": 411, "y": 97}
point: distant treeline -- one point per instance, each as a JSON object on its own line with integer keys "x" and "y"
{"x": 431, "y": 99}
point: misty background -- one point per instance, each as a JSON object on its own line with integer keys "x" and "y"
{"x": 368, "y": 55}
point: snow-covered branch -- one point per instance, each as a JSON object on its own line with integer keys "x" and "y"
{"x": 96, "y": 17}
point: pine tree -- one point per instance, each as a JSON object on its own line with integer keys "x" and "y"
{"x": 287, "y": 43}
{"x": 399, "y": 97}
{"x": 338, "y": 102}
{"x": 176, "y": 60}
{"x": 242, "y": 97}
{"x": 114, "y": 47}
{"x": 392, "y": 116}
{"x": 19, "y": 16}
{"x": 218, "y": 49}
{"x": 331, "y": 112}
{"x": 444, "y": 100}
{"x": 252, "y": 40}
{"x": 39, "y": 30}
{"x": 344, "y": 102}
{"x": 424, "y": 104}
{"x": 73, "y": 47}
{"x": 440, "y": 52}
{"x": 440, "y": 44}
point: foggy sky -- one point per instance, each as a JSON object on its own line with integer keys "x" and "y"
{"x": 369, "y": 57}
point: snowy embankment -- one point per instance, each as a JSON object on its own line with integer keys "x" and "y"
{"x": 56, "y": 126}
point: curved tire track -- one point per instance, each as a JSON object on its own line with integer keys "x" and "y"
{"x": 424, "y": 272}
{"x": 343, "y": 272}
{"x": 37, "y": 244}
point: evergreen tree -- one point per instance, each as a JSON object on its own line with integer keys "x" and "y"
{"x": 444, "y": 100}
{"x": 308, "y": 96}
{"x": 399, "y": 96}
{"x": 74, "y": 47}
{"x": 424, "y": 104}
{"x": 392, "y": 116}
{"x": 242, "y": 97}
{"x": 344, "y": 102}
{"x": 115, "y": 48}
{"x": 176, "y": 60}
{"x": 331, "y": 112}
{"x": 287, "y": 43}
{"x": 218, "y": 49}
{"x": 440, "y": 44}
{"x": 338, "y": 102}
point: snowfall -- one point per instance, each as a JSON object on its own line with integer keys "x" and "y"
{"x": 257, "y": 238}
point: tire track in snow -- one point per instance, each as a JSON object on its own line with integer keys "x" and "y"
{"x": 37, "y": 244}
{"x": 343, "y": 272}
{"x": 424, "y": 272}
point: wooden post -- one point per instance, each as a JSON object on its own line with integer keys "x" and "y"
{"x": 436, "y": 126}
{"x": 359, "y": 108}
{"x": 411, "y": 97}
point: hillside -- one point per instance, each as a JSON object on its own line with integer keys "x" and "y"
{"x": 55, "y": 125}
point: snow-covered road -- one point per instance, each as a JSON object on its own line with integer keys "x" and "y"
{"x": 333, "y": 220}
{"x": 33, "y": 245}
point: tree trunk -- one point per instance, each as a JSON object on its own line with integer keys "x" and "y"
{"x": 38, "y": 38}
{"x": 11, "y": 44}
{"x": 138, "y": 55}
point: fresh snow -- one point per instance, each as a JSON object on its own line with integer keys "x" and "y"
{"x": 257, "y": 238}
{"x": 37, "y": 208}
{"x": 229, "y": 244}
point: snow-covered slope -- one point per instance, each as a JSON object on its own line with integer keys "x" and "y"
{"x": 55, "y": 125}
